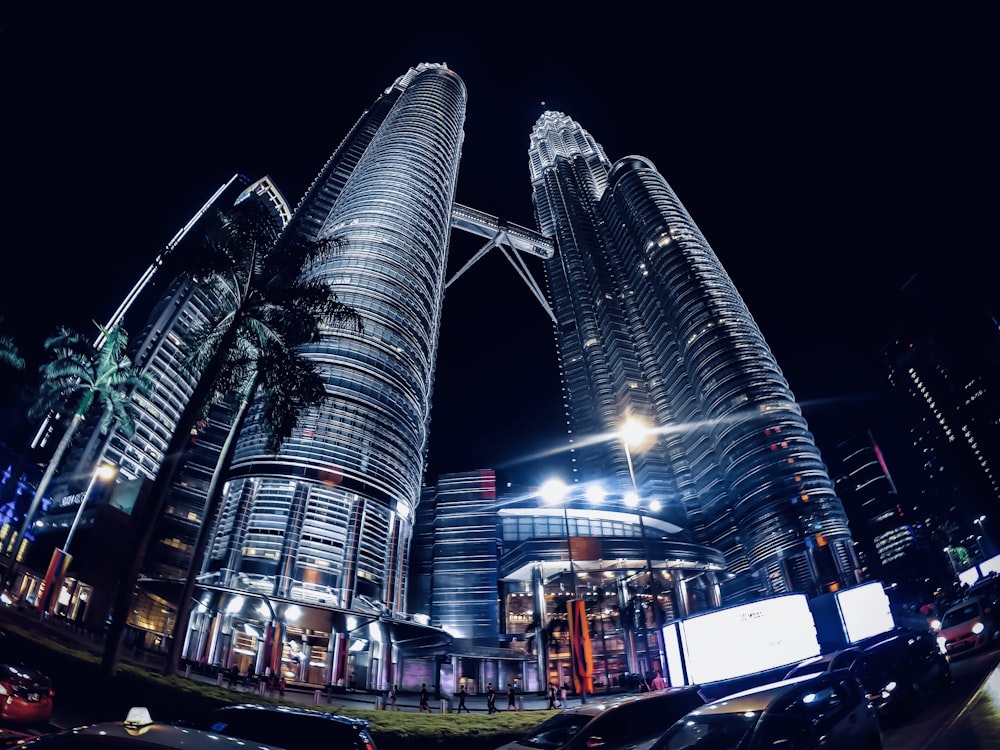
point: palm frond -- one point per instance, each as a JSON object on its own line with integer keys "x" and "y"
{"x": 9, "y": 354}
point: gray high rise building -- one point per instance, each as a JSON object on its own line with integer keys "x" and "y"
{"x": 328, "y": 520}
{"x": 651, "y": 328}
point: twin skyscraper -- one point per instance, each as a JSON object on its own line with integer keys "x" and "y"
{"x": 649, "y": 330}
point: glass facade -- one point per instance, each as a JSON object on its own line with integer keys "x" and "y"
{"x": 328, "y": 520}
{"x": 651, "y": 327}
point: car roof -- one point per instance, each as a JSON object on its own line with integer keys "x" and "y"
{"x": 760, "y": 697}
{"x": 969, "y": 600}
{"x": 291, "y": 711}
{"x": 155, "y": 735}
{"x": 600, "y": 706}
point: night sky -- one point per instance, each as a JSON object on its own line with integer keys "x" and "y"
{"x": 827, "y": 157}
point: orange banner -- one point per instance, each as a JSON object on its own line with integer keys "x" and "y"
{"x": 580, "y": 648}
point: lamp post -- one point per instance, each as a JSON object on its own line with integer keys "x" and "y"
{"x": 104, "y": 472}
{"x": 634, "y": 433}
{"x": 985, "y": 549}
{"x": 555, "y": 491}
{"x": 61, "y": 558}
{"x": 951, "y": 560}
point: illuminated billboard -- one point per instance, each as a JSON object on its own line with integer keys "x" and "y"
{"x": 865, "y": 611}
{"x": 748, "y": 638}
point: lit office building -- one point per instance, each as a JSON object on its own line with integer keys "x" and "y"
{"x": 160, "y": 313}
{"x": 893, "y": 540}
{"x": 651, "y": 328}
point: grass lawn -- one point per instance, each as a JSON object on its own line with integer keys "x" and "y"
{"x": 75, "y": 671}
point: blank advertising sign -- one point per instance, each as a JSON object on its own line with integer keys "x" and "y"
{"x": 748, "y": 638}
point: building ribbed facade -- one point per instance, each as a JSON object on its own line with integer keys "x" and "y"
{"x": 166, "y": 312}
{"x": 329, "y": 519}
{"x": 651, "y": 327}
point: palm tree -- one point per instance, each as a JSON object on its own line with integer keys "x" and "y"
{"x": 9, "y": 353}
{"x": 10, "y": 356}
{"x": 249, "y": 351}
{"x": 73, "y": 380}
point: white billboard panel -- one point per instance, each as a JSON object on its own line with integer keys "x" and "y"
{"x": 748, "y": 638}
{"x": 865, "y": 611}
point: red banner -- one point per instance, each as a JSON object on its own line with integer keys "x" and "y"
{"x": 53, "y": 580}
{"x": 579, "y": 640}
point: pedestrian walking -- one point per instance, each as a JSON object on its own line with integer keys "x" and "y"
{"x": 552, "y": 696}
{"x": 491, "y": 699}
{"x": 461, "y": 701}
{"x": 511, "y": 698}
{"x": 393, "y": 696}
{"x": 234, "y": 675}
{"x": 659, "y": 683}
{"x": 562, "y": 696}
{"x": 424, "y": 698}
{"x": 281, "y": 686}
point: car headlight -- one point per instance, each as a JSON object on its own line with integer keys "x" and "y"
{"x": 978, "y": 628}
{"x": 941, "y": 643}
{"x": 889, "y": 688}
{"x": 3, "y": 689}
{"x": 935, "y": 624}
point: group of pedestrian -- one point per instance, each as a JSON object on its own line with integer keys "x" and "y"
{"x": 491, "y": 698}
{"x": 557, "y": 696}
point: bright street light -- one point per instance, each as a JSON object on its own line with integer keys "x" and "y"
{"x": 555, "y": 491}
{"x": 61, "y": 558}
{"x": 633, "y": 433}
{"x": 104, "y": 472}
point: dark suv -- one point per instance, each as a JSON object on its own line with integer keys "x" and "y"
{"x": 630, "y": 721}
{"x": 897, "y": 668}
{"x": 289, "y": 727}
{"x": 817, "y": 710}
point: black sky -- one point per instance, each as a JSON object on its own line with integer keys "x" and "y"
{"x": 826, "y": 155}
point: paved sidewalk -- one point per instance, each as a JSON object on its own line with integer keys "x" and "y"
{"x": 407, "y": 701}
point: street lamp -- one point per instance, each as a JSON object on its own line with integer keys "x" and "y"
{"x": 104, "y": 472}
{"x": 634, "y": 433}
{"x": 989, "y": 542}
{"x": 555, "y": 491}
{"x": 61, "y": 558}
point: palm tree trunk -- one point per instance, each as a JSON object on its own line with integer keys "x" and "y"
{"x": 212, "y": 502}
{"x": 150, "y": 508}
{"x": 40, "y": 491}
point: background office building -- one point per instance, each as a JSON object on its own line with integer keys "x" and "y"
{"x": 164, "y": 309}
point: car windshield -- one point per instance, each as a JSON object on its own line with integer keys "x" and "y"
{"x": 960, "y": 615}
{"x": 708, "y": 732}
{"x": 557, "y": 731}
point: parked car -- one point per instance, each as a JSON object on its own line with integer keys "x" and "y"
{"x": 289, "y": 727}
{"x": 26, "y": 695}
{"x": 966, "y": 627}
{"x": 897, "y": 668}
{"x": 137, "y": 732}
{"x": 987, "y": 587}
{"x": 625, "y": 721}
{"x": 826, "y": 710}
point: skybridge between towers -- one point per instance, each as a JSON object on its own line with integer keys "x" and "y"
{"x": 512, "y": 239}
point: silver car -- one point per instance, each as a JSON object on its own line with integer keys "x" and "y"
{"x": 827, "y": 710}
{"x": 625, "y": 721}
